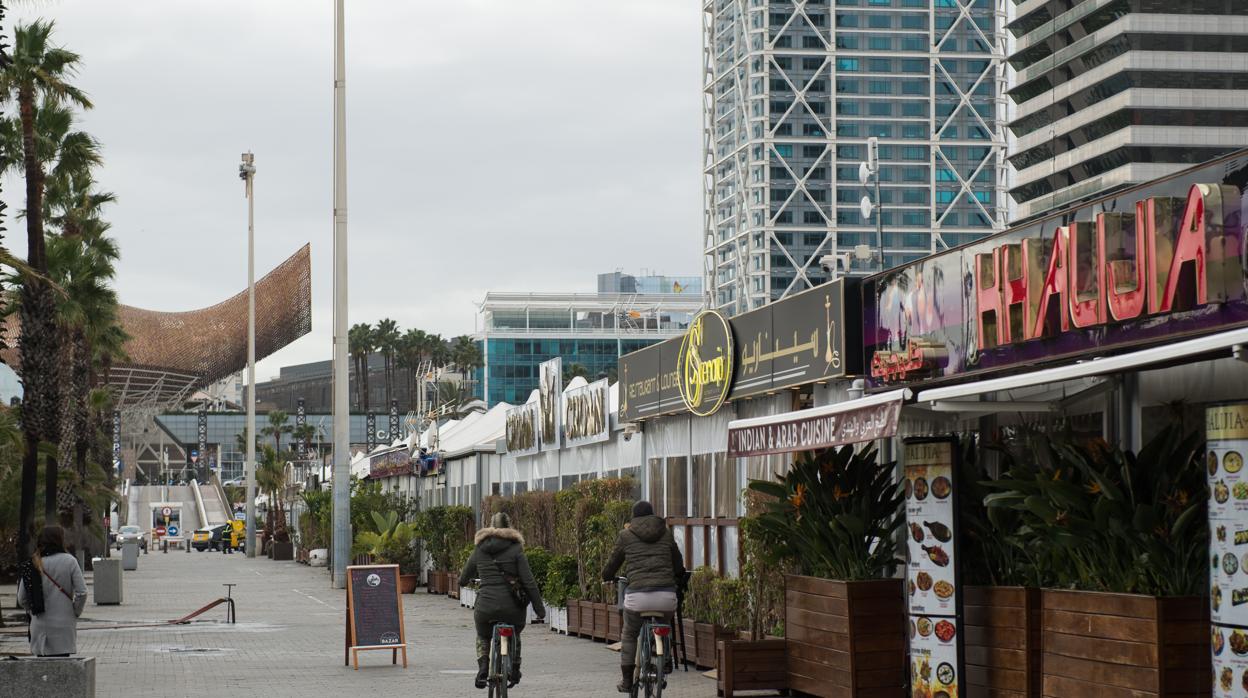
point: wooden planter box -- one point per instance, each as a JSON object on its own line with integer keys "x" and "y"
{"x": 1001, "y": 639}
{"x": 452, "y": 585}
{"x": 615, "y": 623}
{"x": 744, "y": 665}
{"x": 845, "y": 639}
{"x": 594, "y": 621}
{"x": 282, "y": 551}
{"x": 689, "y": 642}
{"x": 1098, "y": 644}
{"x": 706, "y": 643}
{"x": 574, "y": 617}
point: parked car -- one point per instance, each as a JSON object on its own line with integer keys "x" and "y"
{"x": 209, "y": 538}
{"x": 129, "y": 534}
{"x": 235, "y": 482}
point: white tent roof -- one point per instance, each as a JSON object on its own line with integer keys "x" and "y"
{"x": 359, "y": 464}
{"x": 483, "y": 431}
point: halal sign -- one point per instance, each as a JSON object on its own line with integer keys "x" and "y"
{"x": 704, "y": 365}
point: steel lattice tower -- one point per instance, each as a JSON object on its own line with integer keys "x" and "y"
{"x": 792, "y": 91}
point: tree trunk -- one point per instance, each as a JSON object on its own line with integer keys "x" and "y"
{"x": 37, "y": 343}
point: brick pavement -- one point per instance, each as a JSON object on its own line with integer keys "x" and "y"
{"x": 289, "y": 639}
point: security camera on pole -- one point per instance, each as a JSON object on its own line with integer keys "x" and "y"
{"x": 867, "y": 171}
{"x": 247, "y": 173}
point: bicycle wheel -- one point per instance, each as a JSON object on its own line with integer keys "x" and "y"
{"x": 504, "y": 675}
{"x": 654, "y": 688}
{"x": 491, "y": 675}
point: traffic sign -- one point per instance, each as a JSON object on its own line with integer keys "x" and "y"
{"x": 240, "y": 516}
{"x": 173, "y": 530}
{"x": 166, "y": 511}
{"x": 160, "y": 530}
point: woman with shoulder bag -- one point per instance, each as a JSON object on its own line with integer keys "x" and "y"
{"x": 54, "y": 617}
{"x": 507, "y": 589}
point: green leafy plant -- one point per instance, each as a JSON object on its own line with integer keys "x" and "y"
{"x": 392, "y": 542}
{"x": 1104, "y": 519}
{"x": 561, "y": 581}
{"x": 539, "y": 564}
{"x": 698, "y": 597}
{"x": 445, "y": 531}
{"x": 835, "y": 514}
{"x": 730, "y": 603}
{"x": 763, "y": 579}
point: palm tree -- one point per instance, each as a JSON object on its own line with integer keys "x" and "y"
{"x": 361, "y": 343}
{"x": 302, "y": 435}
{"x": 386, "y": 338}
{"x": 37, "y": 71}
{"x": 411, "y": 351}
{"x": 466, "y": 355}
{"x": 86, "y": 308}
{"x": 277, "y": 426}
{"x": 271, "y": 479}
{"x": 573, "y": 370}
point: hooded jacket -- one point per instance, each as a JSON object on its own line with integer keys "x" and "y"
{"x": 500, "y": 553}
{"x": 648, "y": 554}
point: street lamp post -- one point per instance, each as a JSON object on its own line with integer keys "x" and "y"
{"x": 247, "y": 173}
{"x": 867, "y": 171}
{"x": 342, "y": 426}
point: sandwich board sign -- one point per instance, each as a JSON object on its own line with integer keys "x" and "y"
{"x": 374, "y": 613}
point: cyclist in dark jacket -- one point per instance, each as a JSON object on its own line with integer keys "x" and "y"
{"x": 500, "y": 555}
{"x": 653, "y": 565}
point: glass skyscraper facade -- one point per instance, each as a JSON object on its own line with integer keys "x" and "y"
{"x": 793, "y": 92}
{"x": 590, "y": 331}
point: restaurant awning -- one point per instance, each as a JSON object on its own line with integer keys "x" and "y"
{"x": 853, "y": 421}
{"x": 953, "y": 398}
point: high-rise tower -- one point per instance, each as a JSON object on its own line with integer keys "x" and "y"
{"x": 1115, "y": 92}
{"x": 793, "y": 90}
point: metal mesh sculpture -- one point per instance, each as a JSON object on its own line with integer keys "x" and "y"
{"x": 170, "y": 354}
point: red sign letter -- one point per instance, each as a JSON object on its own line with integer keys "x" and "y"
{"x": 1014, "y": 289}
{"x": 988, "y": 300}
{"x": 1087, "y": 304}
{"x": 1189, "y": 246}
{"x": 1054, "y": 285}
{"x": 1125, "y": 302}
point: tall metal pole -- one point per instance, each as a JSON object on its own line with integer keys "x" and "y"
{"x": 247, "y": 170}
{"x": 342, "y": 417}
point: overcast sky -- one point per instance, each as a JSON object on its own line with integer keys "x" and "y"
{"x": 492, "y": 145}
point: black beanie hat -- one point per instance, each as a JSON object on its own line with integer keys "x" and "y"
{"x": 642, "y": 508}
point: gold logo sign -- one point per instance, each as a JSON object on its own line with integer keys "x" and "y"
{"x": 705, "y": 363}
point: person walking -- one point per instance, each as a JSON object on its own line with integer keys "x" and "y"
{"x": 654, "y": 566}
{"x": 54, "y": 593}
{"x": 507, "y": 588}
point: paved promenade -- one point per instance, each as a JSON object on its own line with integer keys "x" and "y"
{"x": 289, "y": 640}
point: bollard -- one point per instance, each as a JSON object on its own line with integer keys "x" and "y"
{"x": 164, "y": 545}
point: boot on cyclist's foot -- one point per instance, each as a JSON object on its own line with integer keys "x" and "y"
{"x": 483, "y": 671}
{"x": 626, "y": 684}
{"x": 515, "y": 674}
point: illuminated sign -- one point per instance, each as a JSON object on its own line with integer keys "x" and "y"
{"x": 1162, "y": 261}
{"x": 705, "y": 363}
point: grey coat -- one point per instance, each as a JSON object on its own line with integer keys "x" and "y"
{"x": 55, "y": 631}
{"x": 501, "y": 551}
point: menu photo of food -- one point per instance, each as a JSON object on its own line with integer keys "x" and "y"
{"x": 1230, "y": 670}
{"x": 931, "y": 574}
{"x": 1228, "y": 532}
{"x": 933, "y": 658}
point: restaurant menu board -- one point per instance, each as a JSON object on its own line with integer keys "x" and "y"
{"x": 375, "y": 610}
{"x": 931, "y": 568}
{"x": 1226, "y": 428}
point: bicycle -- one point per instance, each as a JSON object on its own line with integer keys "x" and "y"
{"x": 500, "y": 660}
{"x": 652, "y": 648}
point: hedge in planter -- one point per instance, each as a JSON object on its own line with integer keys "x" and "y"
{"x": 393, "y": 543}
{"x": 1127, "y": 539}
{"x": 445, "y": 531}
{"x": 835, "y": 516}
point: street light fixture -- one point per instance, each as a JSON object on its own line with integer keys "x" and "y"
{"x": 247, "y": 173}
{"x": 867, "y": 171}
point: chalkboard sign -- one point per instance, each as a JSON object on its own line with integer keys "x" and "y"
{"x": 374, "y": 611}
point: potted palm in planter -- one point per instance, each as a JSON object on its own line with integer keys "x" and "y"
{"x": 835, "y": 516}
{"x": 393, "y": 543}
{"x": 1127, "y": 539}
